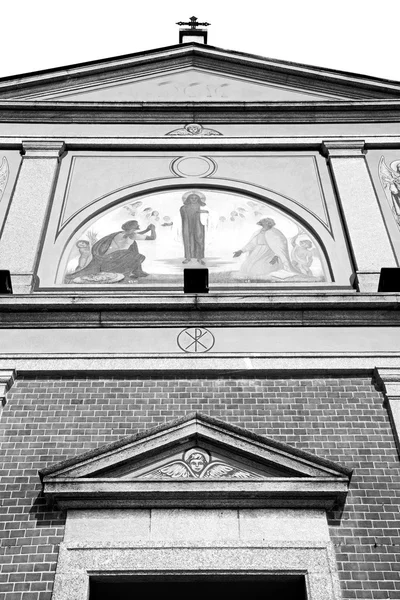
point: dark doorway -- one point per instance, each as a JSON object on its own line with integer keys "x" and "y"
{"x": 268, "y": 588}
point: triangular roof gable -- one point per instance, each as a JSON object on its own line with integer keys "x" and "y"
{"x": 183, "y": 85}
{"x": 233, "y": 465}
{"x": 232, "y": 76}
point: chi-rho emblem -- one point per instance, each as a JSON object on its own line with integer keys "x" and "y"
{"x": 195, "y": 339}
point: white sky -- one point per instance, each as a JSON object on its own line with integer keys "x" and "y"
{"x": 359, "y": 36}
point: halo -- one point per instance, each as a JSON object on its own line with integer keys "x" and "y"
{"x": 199, "y": 194}
{"x": 193, "y": 125}
{"x": 129, "y": 224}
{"x": 189, "y": 453}
{"x": 393, "y": 165}
{"x": 302, "y": 237}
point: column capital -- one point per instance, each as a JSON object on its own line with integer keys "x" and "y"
{"x": 7, "y": 378}
{"x": 390, "y": 381}
{"x": 42, "y": 148}
{"x": 343, "y": 148}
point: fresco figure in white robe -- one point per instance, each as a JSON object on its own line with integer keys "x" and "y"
{"x": 267, "y": 252}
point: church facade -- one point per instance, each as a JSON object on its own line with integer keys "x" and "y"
{"x": 242, "y": 434}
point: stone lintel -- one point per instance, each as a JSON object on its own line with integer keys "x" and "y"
{"x": 42, "y": 148}
{"x": 343, "y": 148}
{"x": 7, "y": 378}
{"x": 127, "y": 527}
{"x": 218, "y": 554}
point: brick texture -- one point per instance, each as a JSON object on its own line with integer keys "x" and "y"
{"x": 344, "y": 420}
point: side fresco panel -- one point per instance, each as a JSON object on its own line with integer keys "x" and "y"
{"x": 9, "y": 164}
{"x": 383, "y": 165}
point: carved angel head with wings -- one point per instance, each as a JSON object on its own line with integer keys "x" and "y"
{"x": 197, "y": 463}
{"x": 196, "y": 459}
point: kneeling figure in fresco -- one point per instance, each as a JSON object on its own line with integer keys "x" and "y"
{"x": 267, "y": 252}
{"x": 116, "y": 253}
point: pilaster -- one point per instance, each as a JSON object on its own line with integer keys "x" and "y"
{"x": 22, "y": 235}
{"x": 368, "y": 239}
{"x": 7, "y": 378}
{"x": 389, "y": 379}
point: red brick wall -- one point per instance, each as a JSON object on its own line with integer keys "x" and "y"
{"x": 344, "y": 420}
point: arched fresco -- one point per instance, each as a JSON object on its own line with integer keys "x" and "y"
{"x": 151, "y": 239}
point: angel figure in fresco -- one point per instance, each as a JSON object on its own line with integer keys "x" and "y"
{"x": 197, "y": 464}
{"x": 84, "y": 254}
{"x": 390, "y": 180}
{"x": 303, "y": 254}
{"x": 4, "y": 172}
{"x": 133, "y": 208}
{"x": 116, "y": 253}
{"x": 267, "y": 252}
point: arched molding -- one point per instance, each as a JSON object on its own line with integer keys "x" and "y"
{"x": 109, "y": 202}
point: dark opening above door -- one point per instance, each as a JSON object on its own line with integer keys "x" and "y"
{"x": 286, "y": 587}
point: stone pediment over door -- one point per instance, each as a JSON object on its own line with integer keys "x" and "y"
{"x": 199, "y": 462}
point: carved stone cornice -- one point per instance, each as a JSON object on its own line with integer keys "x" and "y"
{"x": 361, "y": 111}
{"x": 318, "y": 308}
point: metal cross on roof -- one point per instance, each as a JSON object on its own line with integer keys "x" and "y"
{"x": 193, "y": 23}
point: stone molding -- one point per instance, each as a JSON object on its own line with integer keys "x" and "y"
{"x": 366, "y": 111}
{"x": 7, "y": 378}
{"x": 279, "y": 363}
{"x": 157, "y": 141}
{"x": 293, "y": 492}
{"x": 317, "y": 308}
{"x": 196, "y": 558}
